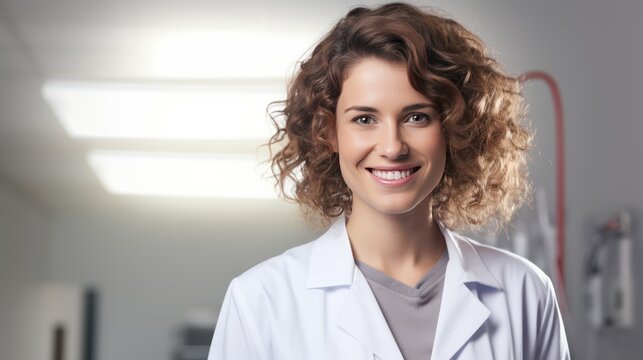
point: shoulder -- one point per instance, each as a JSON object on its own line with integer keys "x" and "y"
{"x": 512, "y": 272}
{"x": 287, "y": 270}
{"x": 259, "y": 302}
{"x": 528, "y": 291}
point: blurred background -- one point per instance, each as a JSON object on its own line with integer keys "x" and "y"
{"x": 130, "y": 194}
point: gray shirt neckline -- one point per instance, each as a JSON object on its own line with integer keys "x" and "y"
{"x": 425, "y": 287}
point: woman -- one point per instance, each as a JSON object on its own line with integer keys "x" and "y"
{"x": 398, "y": 129}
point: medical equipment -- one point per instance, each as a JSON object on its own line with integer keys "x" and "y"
{"x": 610, "y": 287}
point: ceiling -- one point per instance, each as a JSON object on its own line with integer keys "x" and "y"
{"x": 125, "y": 40}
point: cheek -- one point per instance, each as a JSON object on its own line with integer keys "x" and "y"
{"x": 352, "y": 147}
{"x": 439, "y": 148}
{"x": 431, "y": 144}
{"x": 435, "y": 148}
{"x": 439, "y": 155}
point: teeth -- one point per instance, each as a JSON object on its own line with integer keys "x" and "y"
{"x": 391, "y": 175}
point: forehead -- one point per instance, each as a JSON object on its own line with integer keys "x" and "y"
{"x": 378, "y": 83}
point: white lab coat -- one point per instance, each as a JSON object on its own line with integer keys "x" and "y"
{"x": 312, "y": 303}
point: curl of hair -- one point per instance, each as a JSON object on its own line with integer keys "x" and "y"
{"x": 481, "y": 108}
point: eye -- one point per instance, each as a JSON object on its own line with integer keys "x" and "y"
{"x": 363, "y": 120}
{"x": 418, "y": 118}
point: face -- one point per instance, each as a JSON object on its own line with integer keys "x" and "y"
{"x": 389, "y": 140}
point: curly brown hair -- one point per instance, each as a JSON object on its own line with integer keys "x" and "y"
{"x": 481, "y": 108}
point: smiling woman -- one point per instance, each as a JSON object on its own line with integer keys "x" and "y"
{"x": 399, "y": 129}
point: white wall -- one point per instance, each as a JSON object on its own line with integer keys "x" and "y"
{"x": 151, "y": 272}
{"x": 23, "y": 264}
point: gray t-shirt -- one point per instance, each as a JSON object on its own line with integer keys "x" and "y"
{"x": 411, "y": 312}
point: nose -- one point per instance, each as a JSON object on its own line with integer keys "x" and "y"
{"x": 391, "y": 143}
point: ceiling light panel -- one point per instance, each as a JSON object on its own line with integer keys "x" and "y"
{"x": 182, "y": 175}
{"x": 232, "y": 112}
{"x": 235, "y": 53}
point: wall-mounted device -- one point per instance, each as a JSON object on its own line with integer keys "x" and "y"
{"x": 610, "y": 286}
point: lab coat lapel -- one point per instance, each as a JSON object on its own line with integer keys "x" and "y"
{"x": 361, "y": 317}
{"x": 461, "y": 311}
{"x": 358, "y": 316}
{"x": 461, "y": 315}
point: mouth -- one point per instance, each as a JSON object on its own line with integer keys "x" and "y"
{"x": 392, "y": 175}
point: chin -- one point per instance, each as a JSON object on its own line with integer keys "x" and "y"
{"x": 397, "y": 207}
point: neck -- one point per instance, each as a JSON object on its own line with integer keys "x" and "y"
{"x": 412, "y": 239}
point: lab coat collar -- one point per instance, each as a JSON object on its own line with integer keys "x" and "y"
{"x": 332, "y": 262}
{"x": 465, "y": 259}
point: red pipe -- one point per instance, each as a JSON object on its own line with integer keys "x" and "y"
{"x": 560, "y": 170}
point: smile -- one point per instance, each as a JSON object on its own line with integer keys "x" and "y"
{"x": 393, "y": 177}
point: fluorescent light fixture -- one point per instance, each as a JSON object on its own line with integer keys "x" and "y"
{"x": 182, "y": 175}
{"x": 143, "y": 111}
{"x": 236, "y": 53}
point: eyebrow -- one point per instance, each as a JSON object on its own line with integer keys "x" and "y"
{"x": 405, "y": 109}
